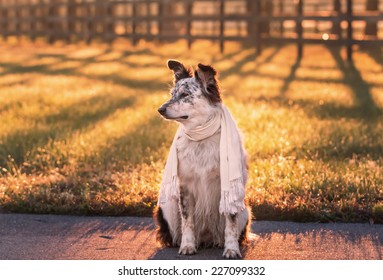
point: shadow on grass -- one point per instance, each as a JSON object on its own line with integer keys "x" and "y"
{"x": 82, "y": 194}
{"x": 360, "y": 88}
{"x": 364, "y": 108}
{"x": 59, "y": 125}
{"x": 148, "y": 84}
{"x": 339, "y": 151}
{"x": 326, "y": 110}
{"x": 46, "y": 69}
{"x": 290, "y": 78}
{"x": 338, "y": 143}
{"x": 141, "y": 145}
{"x": 251, "y": 57}
{"x": 91, "y": 190}
{"x": 376, "y": 54}
{"x": 236, "y": 68}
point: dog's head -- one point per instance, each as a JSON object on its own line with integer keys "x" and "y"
{"x": 194, "y": 98}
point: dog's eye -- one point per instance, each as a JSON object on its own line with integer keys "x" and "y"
{"x": 183, "y": 94}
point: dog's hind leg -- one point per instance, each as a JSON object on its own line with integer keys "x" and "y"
{"x": 231, "y": 249}
{"x": 188, "y": 241}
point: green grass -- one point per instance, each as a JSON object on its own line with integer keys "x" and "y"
{"x": 80, "y": 133}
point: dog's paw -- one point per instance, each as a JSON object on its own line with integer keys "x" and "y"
{"x": 230, "y": 253}
{"x": 187, "y": 250}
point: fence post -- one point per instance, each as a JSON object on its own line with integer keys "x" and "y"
{"x": 4, "y": 25}
{"x": 97, "y": 23}
{"x": 349, "y": 30}
{"x": 336, "y": 29}
{"x": 281, "y": 11}
{"x": 169, "y": 29}
{"x": 189, "y": 11}
{"x": 89, "y": 15}
{"x": 84, "y": 21}
{"x": 160, "y": 11}
{"x": 54, "y": 23}
{"x": 134, "y": 23}
{"x": 109, "y": 28}
{"x": 148, "y": 22}
{"x": 267, "y": 10}
{"x": 221, "y": 25}
{"x": 42, "y": 15}
{"x": 71, "y": 19}
{"x": 251, "y": 7}
{"x": 258, "y": 26}
{"x": 372, "y": 27}
{"x": 299, "y": 28}
{"x": 33, "y": 20}
{"x": 50, "y": 22}
{"x": 18, "y": 18}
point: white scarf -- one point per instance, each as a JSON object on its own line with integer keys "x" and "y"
{"x": 232, "y": 181}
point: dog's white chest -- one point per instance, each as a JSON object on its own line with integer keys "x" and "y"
{"x": 198, "y": 159}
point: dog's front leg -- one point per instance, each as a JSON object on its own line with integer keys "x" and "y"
{"x": 231, "y": 249}
{"x": 188, "y": 245}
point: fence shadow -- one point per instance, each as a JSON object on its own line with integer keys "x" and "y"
{"x": 364, "y": 107}
{"x": 290, "y": 78}
{"x": 59, "y": 125}
{"x": 376, "y": 54}
{"x": 364, "y": 103}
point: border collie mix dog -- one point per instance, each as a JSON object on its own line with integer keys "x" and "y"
{"x": 201, "y": 200}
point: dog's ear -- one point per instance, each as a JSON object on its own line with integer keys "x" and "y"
{"x": 206, "y": 76}
{"x": 180, "y": 71}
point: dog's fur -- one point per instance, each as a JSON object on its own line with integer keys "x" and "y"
{"x": 194, "y": 220}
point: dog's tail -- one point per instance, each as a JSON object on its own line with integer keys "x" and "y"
{"x": 163, "y": 235}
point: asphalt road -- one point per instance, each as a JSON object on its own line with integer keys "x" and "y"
{"x": 73, "y": 237}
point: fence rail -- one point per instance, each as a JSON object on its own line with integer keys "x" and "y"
{"x": 340, "y": 22}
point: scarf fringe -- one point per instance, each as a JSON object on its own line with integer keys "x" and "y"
{"x": 169, "y": 190}
{"x": 232, "y": 201}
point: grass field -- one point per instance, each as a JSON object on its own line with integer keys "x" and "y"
{"x": 80, "y": 132}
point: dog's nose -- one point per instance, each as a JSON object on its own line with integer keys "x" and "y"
{"x": 162, "y": 110}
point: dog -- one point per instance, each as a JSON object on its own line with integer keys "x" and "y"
{"x": 193, "y": 219}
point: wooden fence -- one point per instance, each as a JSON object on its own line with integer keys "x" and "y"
{"x": 338, "y": 22}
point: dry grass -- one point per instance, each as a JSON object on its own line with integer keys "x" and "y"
{"x": 80, "y": 134}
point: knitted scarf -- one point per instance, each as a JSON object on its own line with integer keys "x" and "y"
{"x": 232, "y": 181}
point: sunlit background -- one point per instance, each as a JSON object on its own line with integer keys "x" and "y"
{"x": 80, "y": 132}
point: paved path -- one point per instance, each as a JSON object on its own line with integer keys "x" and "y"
{"x": 73, "y": 237}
